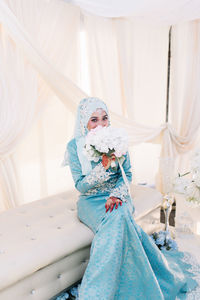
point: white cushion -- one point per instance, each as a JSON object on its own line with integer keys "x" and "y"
{"x": 145, "y": 199}
{"x": 37, "y": 234}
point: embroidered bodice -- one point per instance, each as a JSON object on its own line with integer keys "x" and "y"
{"x": 99, "y": 180}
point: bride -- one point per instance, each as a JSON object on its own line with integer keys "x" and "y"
{"x": 124, "y": 264}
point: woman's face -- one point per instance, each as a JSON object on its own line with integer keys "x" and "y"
{"x": 99, "y": 117}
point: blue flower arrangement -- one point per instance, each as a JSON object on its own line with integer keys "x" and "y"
{"x": 163, "y": 240}
{"x": 70, "y": 295}
{"x": 63, "y": 296}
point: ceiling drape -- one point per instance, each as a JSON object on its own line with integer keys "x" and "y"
{"x": 154, "y": 11}
{"x": 108, "y": 54}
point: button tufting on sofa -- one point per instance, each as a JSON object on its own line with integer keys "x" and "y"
{"x": 33, "y": 249}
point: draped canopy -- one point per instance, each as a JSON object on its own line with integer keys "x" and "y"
{"x": 161, "y": 11}
{"x": 126, "y": 67}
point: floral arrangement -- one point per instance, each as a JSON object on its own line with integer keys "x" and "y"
{"x": 190, "y": 187}
{"x": 71, "y": 294}
{"x": 106, "y": 140}
{"x": 164, "y": 241}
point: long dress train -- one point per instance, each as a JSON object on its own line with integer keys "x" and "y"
{"x": 124, "y": 264}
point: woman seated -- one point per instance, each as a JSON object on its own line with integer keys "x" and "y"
{"x": 125, "y": 264}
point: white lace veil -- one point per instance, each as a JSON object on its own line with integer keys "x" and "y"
{"x": 85, "y": 109}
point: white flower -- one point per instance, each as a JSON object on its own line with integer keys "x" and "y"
{"x": 180, "y": 184}
{"x": 192, "y": 192}
{"x": 196, "y": 178}
{"x": 195, "y": 161}
{"x": 106, "y": 140}
{"x": 88, "y": 147}
{"x": 190, "y": 187}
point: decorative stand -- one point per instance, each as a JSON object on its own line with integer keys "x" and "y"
{"x": 168, "y": 200}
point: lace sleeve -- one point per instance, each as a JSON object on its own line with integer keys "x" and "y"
{"x": 98, "y": 174}
{"x": 85, "y": 182}
{"x": 121, "y": 191}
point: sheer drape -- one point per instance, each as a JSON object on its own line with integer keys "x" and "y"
{"x": 112, "y": 83}
{"x": 64, "y": 87}
{"x": 142, "y": 50}
{"x": 185, "y": 78}
{"x": 163, "y": 12}
{"x": 25, "y": 95}
{"x": 103, "y": 62}
{"x": 184, "y": 108}
{"x": 181, "y": 134}
{"x": 17, "y": 111}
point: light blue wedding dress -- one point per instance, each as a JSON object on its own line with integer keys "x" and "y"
{"x": 124, "y": 264}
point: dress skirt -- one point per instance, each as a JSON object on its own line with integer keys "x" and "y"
{"x": 125, "y": 264}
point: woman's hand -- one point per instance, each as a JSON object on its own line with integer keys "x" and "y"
{"x": 111, "y": 202}
{"x": 106, "y": 161}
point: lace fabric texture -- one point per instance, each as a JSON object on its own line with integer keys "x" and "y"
{"x": 120, "y": 192}
{"x": 124, "y": 261}
{"x": 98, "y": 174}
{"x": 194, "y": 268}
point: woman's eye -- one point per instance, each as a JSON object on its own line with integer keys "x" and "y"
{"x": 105, "y": 118}
{"x": 94, "y": 120}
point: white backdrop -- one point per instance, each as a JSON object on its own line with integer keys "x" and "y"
{"x": 25, "y": 179}
{"x": 127, "y": 67}
{"x": 155, "y": 11}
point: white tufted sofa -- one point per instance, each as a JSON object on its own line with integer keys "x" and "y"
{"x": 44, "y": 248}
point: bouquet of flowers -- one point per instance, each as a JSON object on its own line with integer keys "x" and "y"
{"x": 106, "y": 140}
{"x": 163, "y": 240}
{"x": 190, "y": 187}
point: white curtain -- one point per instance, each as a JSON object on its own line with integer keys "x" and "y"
{"x": 172, "y": 141}
{"x": 184, "y": 103}
{"x": 184, "y": 109}
{"x": 133, "y": 52}
{"x": 63, "y": 87}
{"x": 160, "y": 11}
{"x": 121, "y": 62}
{"x": 122, "y": 56}
{"x": 18, "y": 89}
{"x": 68, "y": 92}
{"x": 181, "y": 135}
{"x": 25, "y": 95}
{"x": 143, "y": 50}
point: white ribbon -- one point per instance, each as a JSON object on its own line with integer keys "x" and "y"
{"x": 124, "y": 176}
